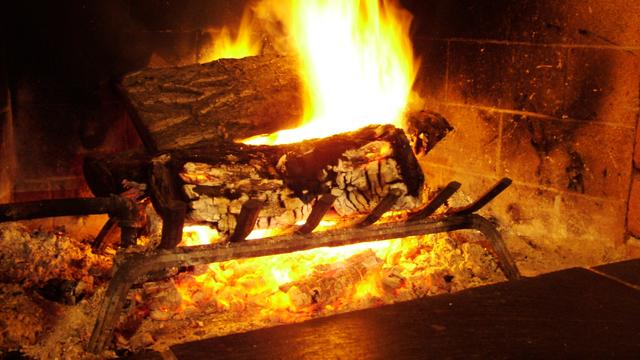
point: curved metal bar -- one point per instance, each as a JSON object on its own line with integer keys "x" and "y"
{"x": 246, "y": 220}
{"x": 98, "y": 241}
{"x": 483, "y": 200}
{"x": 115, "y": 206}
{"x": 436, "y": 202}
{"x": 320, "y": 209}
{"x": 123, "y": 210}
{"x": 488, "y": 229}
{"x": 383, "y": 206}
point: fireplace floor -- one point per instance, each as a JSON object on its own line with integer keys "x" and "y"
{"x": 590, "y": 313}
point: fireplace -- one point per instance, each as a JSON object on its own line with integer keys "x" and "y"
{"x": 542, "y": 98}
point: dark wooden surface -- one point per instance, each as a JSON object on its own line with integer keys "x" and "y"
{"x": 627, "y": 271}
{"x": 574, "y": 313}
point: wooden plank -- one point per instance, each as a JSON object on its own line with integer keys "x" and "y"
{"x": 569, "y": 314}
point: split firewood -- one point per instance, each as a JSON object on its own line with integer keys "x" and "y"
{"x": 425, "y": 129}
{"x": 332, "y": 281}
{"x": 190, "y": 117}
{"x": 360, "y": 168}
{"x": 226, "y": 99}
{"x": 110, "y": 174}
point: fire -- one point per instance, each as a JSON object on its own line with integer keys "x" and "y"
{"x": 236, "y": 284}
{"x": 358, "y": 68}
{"x": 358, "y": 65}
{"x": 227, "y": 46}
{"x": 357, "y": 61}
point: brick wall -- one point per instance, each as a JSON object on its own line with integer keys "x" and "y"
{"x": 546, "y": 93}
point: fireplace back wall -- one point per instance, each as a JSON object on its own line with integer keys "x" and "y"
{"x": 545, "y": 92}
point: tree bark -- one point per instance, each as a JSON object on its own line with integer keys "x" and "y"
{"x": 227, "y": 99}
{"x": 360, "y": 168}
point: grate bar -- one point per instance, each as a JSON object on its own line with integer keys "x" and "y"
{"x": 483, "y": 200}
{"x": 246, "y": 220}
{"x": 383, "y": 206}
{"x": 436, "y": 202}
{"x": 320, "y": 209}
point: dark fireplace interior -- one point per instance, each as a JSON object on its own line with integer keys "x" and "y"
{"x": 543, "y": 92}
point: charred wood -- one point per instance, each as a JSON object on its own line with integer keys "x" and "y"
{"x": 164, "y": 190}
{"x": 215, "y": 179}
{"x": 359, "y": 168}
{"x": 232, "y": 99}
{"x": 426, "y": 129}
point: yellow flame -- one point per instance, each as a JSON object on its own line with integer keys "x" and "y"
{"x": 199, "y": 235}
{"x": 358, "y": 67}
{"x": 357, "y": 64}
{"x": 226, "y": 46}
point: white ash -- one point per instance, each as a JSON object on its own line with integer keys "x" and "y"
{"x": 34, "y": 257}
{"x": 360, "y": 179}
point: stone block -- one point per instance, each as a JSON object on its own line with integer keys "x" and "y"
{"x": 603, "y": 85}
{"x": 479, "y": 74}
{"x": 431, "y": 79}
{"x": 473, "y": 144}
{"x": 537, "y": 76}
{"x": 572, "y": 156}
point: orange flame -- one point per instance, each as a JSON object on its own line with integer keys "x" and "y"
{"x": 226, "y": 46}
{"x": 357, "y": 60}
{"x": 358, "y": 68}
{"x": 258, "y": 281}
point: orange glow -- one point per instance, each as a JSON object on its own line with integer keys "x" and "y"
{"x": 357, "y": 62}
{"x": 235, "y": 284}
{"x": 358, "y": 67}
{"x": 199, "y": 235}
{"x": 227, "y": 46}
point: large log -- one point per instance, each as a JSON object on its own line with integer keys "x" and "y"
{"x": 359, "y": 168}
{"x": 110, "y": 174}
{"x": 226, "y": 99}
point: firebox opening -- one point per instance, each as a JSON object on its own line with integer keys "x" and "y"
{"x": 219, "y": 125}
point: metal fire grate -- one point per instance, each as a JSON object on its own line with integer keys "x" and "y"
{"x": 137, "y": 268}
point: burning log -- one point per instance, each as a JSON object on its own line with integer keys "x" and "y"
{"x": 231, "y": 99}
{"x": 226, "y": 99}
{"x": 189, "y": 116}
{"x": 359, "y": 168}
{"x": 332, "y": 281}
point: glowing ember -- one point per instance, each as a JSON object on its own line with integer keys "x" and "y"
{"x": 358, "y": 69}
{"x": 299, "y": 285}
{"x": 199, "y": 235}
{"x": 266, "y": 281}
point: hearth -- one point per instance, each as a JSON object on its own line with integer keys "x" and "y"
{"x": 195, "y": 170}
